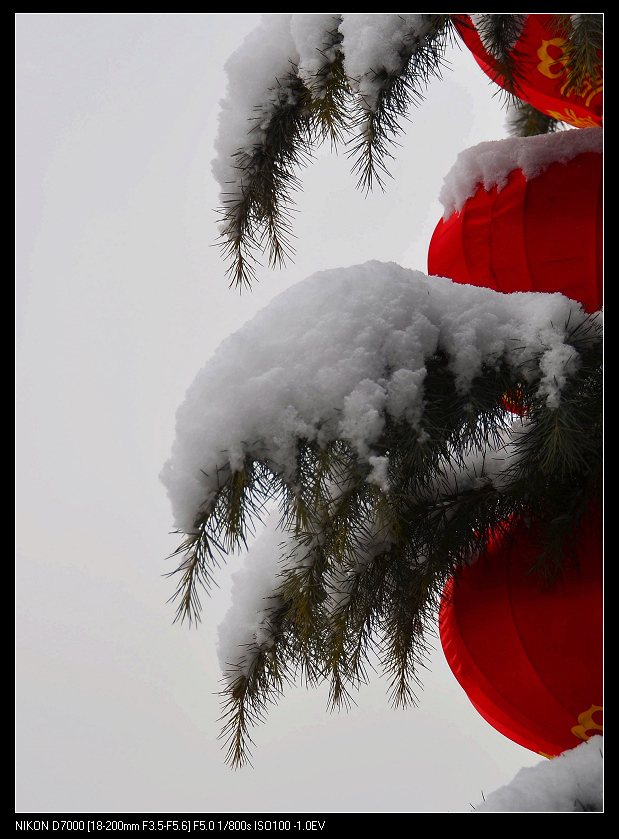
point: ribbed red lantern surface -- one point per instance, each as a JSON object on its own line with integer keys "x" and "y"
{"x": 529, "y": 660}
{"x": 542, "y": 73}
{"x": 541, "y": 234}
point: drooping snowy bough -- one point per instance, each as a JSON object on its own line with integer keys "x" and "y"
{"x": 367, "y": 404}
{"x": 296, "y": 81}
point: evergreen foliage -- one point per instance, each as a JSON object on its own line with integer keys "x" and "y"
{"x": 365, "y": 566}
{"x": 526, "y": 121}
{"x": 257, "y": 216}
{"x": 583, "y": 35}
{"x": 499, "y": 34}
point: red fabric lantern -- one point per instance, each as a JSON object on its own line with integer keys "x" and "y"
{"x": 538, "y": 234}
{"x": 529, "y": 659}
{"x": 542, "y": 71}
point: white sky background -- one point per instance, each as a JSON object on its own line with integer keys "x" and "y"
{"x": 121, "y": 298}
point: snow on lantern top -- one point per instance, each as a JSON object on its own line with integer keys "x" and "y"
{"x": 490, "y": 163}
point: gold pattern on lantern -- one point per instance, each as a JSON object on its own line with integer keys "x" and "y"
{"x": 586, "y": 92}
{"x": 569, "y": 116}
{"x": 547, "y": 61}
{"x": 587, "y": 723}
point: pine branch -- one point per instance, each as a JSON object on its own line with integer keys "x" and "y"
{"x": 582, "y": 54}
{"x": 378, "y": 121}
{"x": 201, "y": 557}
{"x": 256, "y": 212}
{"x": 222, "y": 528}
{"x": 367, "y": 561}
{"x": 330, "y": 92}
{"x": 405, "y": 646}
{"x": 499, "y": 34}
{"x": 526, "y": 121}
{"x": 245, "y": 699}
{"x": 292, "y": 651}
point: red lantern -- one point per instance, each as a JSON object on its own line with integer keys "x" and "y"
{"x": 536, "y": 233}
{"x": 529, "y": 658}
{"x": 512, "y": 402}
{"x": 542, "y": 73}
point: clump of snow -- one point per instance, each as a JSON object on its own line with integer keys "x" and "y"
{"x": 489, "y": 164}
{"x": 570, "y": 783}
{"x": 265, "y": 56}
{"x": 379, "y": 473}
{"x": 246, "y": 628}
{"x": 313, "y": 38}
{"x": 303, "y": 45}
{"x": 332, "y": 356}
{"x": 375, "y": 44}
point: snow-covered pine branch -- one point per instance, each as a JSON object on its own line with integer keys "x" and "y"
{"x": 334, "y": 355}
{"x": 296, "y": 80}
{"x": 277, "y": 81}
{"x": 367, "y": 403}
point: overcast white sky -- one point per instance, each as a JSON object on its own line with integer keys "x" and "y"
{"x": 121, "y": 298}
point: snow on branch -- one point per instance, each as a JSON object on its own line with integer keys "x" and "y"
{"x": 367, "y": 403}
{"x": 335, "y": 355}
{"x": 296, "y": 80}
